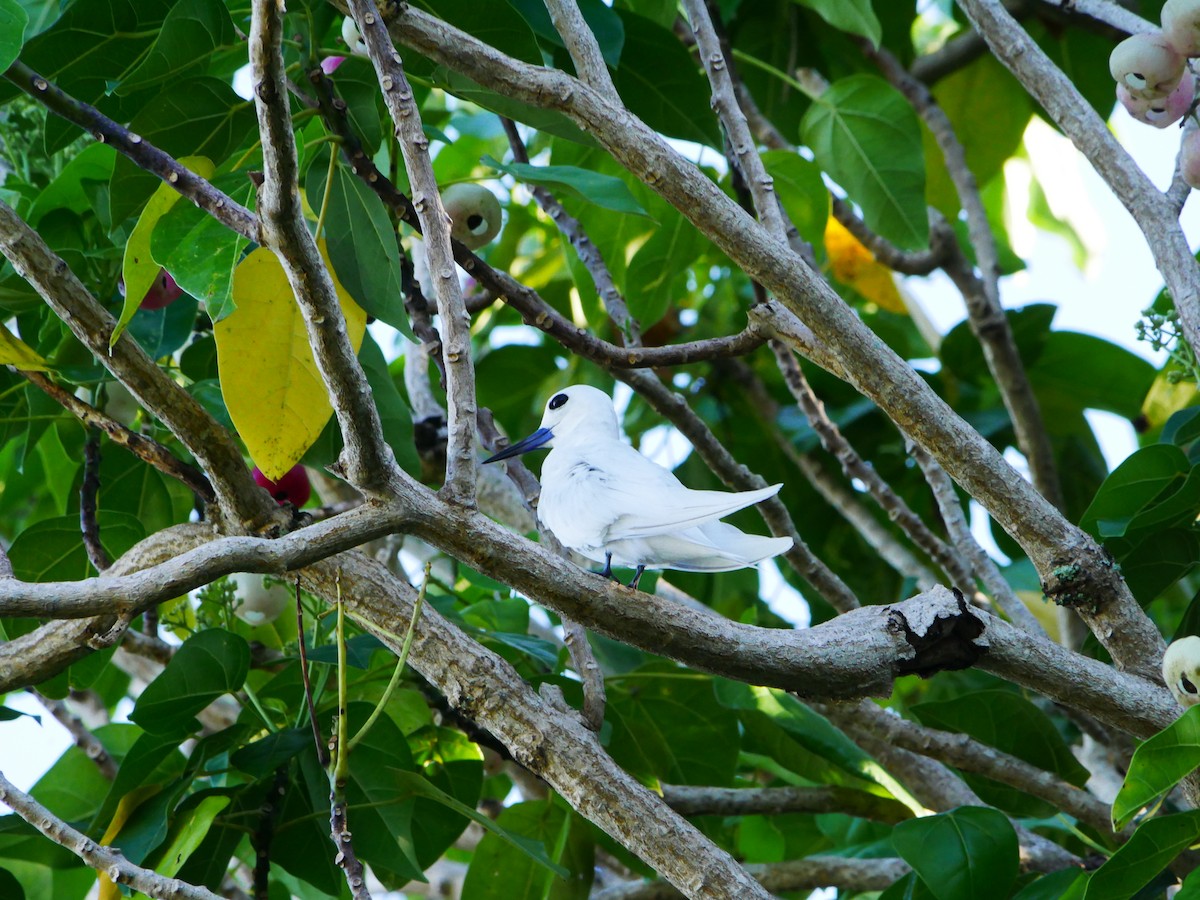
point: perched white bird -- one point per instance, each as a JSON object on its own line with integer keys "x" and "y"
{"x": 606, "y": 501}
{"x": 1181, "y": 670}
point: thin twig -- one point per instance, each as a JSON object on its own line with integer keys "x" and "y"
{"x": 144, "y": 154}
{"x": 461, "y": 462}
{"x": 322, "y": 748}
{"x": 88, "y": 490}
{"x": 80, "y": 734}
{"x": 719, "y": 801}
{"x": 988, "y": 321}
{"x": 589, "y": 254}
{"x": 146, "y": 449}
{"x": 108, "y": 860}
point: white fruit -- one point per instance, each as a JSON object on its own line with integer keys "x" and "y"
{"x": 262, "y": 598}
{"x": 353, "y": 37}
{"x": 1181, "y": 670}
{"x": 1160, "y": 111}
{"x": 474, "y": 214}
{"x": 1147, "y": 65}
{"x": 1181, "y": 25}
{"x": 1190, "y": 158}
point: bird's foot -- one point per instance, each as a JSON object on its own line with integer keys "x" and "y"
{"x": 637, "y": 577}
{"x": 607, "y": 571}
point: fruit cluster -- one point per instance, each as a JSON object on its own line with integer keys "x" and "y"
{"x": 1154, "y": 82}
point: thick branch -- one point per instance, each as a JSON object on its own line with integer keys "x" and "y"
{"x": 461, "y": 463}
{"x": 108, "y": 860}
{"x": 366, "y": 459}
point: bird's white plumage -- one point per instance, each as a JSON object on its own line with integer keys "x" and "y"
{"x": 1181, "y": 669}
{"x": 600, "y": 496}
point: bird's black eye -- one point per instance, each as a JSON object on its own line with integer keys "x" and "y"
{"x": 1187, "y": 686}
{"x": 557, "y": 400}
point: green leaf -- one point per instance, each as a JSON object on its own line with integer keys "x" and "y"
{"x": 208, "y": 665}
{"x": 9, "y": 886}
{"x": 655, "y": 274}
{"x": 866, "y": 136}
{"x": 661, "y": 83}
{"x": 129, "y": 485}
{"x": 607, "y": 191}
{"x": 1086, "y": 372}
{"x": 188, "y": 831}
{"x": 853, "y": 16}
{"x": 361, "y": 242}
{"x": 70, "y": 788}
{"x": 192, "y": 30}
{"x": 502, "y": 867}
{"x": 201, "y": 253}
{"x": 968, "y": 853}
{"x": 816, "y": 733}
{"x": 262, "y": 757}
{"x": 13, "y": 21}
{"x": 544, "y": 120}
{"x": 1144, "y": 479}
{"x": 52, "y": 549}
{"x": 394, "y": 415}
{"x": 802, "y": 192}
{"x": 356, "y": 84}
{"x": 1147, "y": 852}
{"x": 196, "y": 117}
{"x": 1158, "y": 764}
{"x": 148, "y": 760}
{"x": 666, "y": 726}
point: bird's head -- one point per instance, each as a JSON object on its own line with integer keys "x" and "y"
{"x": 575, "y": 412}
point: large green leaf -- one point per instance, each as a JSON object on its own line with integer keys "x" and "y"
{"x": 1146, "y": 478}
{"x": 866, "y": 136}
{"x": 669, "y": 728}
{"x": 502, "y": 868}
{"x": 802, "y": 192}
{"x": 361, "y": 241}
{"x": 1150, "y": 849}
{"x": 656, "y": 273}
{"x": 1086, "y": 372}
{"x": 815, "y": 733}
{"x": 52, "y": 550}
{"x": 192, "y": 30}
{"x": 209, "y": 664}
{"x": 13, "y": 22}
{"x": 662, "y": 85}
{"x": 968, "y": 853}
{"x": 854, "y": 16}
{"x": 1158, "y": 764}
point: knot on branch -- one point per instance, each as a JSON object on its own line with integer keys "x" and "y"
{"x": 1082, "y": 583}
{"x": 945, "y": 644}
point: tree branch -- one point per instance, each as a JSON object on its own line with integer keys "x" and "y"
{"x": 104, "y": 859}
{"x": 461, "y": 463}
{"x": 718, "y": 801}
{"x": 1149, "y": 207}
{"x": 366, "y": 460}
{"x": 986, "y": 315}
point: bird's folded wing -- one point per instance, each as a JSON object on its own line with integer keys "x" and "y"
{"x": 674, "y": 508}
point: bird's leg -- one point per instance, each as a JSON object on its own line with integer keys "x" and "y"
{"x": 637, "y": 576}
{"x": 607, "y": 570}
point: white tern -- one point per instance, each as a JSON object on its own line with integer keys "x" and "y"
{"x": 1181, "y": 670}
{"x": 605, "y": 500}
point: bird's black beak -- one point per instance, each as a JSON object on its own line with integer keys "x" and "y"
{"x": 539, "y": 438}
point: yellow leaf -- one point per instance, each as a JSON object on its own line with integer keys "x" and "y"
{"x": 1164, "y": 399}
{"x": 855, "y": 265}
{"x": 126, "y": 808}
{"x": 138, "y": 269}
{"x": 15, "y": 352}
{"x": 269, "y": 378}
